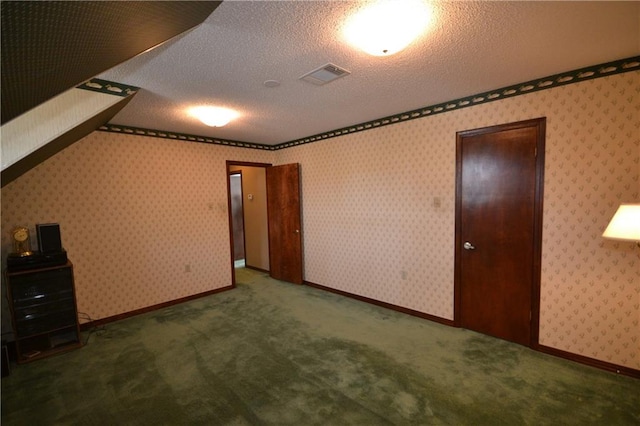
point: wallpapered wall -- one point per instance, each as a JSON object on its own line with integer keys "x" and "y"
{"x": 369, "y": 212}
{"x": 135, "y": 210}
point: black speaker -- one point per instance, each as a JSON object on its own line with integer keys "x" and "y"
{"x": 49, "y": 237}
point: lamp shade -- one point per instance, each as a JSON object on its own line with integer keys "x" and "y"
{"x": 625, "y": 224}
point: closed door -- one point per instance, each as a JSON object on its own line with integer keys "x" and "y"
{"x": 285, "y": 224}
{"x": 498, "y": 230}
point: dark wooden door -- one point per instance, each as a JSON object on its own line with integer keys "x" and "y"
{"x": 285, "y": 230}
{"x": 498, "y": 229}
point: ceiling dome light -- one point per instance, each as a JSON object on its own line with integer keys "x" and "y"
{"x": 271, "y": 83}
{"x": 213, "y": 116}
{"x": 388, "y": 26}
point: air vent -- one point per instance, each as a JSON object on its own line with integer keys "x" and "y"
{"x": 324, "y": 74}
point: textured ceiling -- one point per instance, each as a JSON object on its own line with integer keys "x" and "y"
{"x": 51, "y": 46}
{"x": 472, "y": 47}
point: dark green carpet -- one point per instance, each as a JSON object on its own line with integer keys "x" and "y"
{"x": 276, "y": 353}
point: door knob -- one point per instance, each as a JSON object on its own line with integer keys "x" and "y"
{"x": 468, "y": 246}
{"x": 297, "y": 231}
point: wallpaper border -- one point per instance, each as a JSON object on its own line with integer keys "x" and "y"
{"x": 108, "y": 87}
{"x": 139, "y": 131}
{"x": 549, "y": 82}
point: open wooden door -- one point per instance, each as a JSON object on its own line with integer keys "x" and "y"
{"x": 285, "y": 224}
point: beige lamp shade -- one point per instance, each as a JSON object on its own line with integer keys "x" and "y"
{"x": 625, "y": 224}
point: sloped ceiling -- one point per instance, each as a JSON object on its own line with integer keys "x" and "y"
{"x": 51, "y": 46}
{"x": 48, "y": 48}
{"x": 472, "y": 47}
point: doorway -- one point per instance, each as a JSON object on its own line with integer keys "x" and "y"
{"x": 499, "y": 188}
{"x": 253, "y": 239}
{"x": 272, "y": 219}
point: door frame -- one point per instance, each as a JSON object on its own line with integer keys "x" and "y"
{"x": 540, "y": 123}
{"x": 230, "y": 163}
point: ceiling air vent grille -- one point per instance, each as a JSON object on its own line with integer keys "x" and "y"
{"x": 324, "y": 74}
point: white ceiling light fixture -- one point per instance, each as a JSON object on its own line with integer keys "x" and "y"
{"x": 387, "y": 26}
{"x": 213, "y": 116}
{"x": 271, "y": 83}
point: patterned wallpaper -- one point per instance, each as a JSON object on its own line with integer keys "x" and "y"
{"x": 378, "y": 213}
{"x": 134, "y": 211}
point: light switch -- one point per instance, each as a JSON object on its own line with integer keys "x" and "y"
{"x": 250, "y": 197}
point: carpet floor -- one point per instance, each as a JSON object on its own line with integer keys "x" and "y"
{"x": 272, "y": 353}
